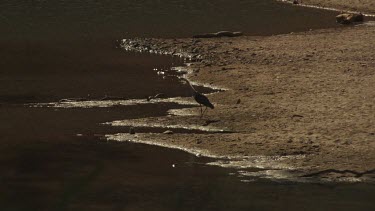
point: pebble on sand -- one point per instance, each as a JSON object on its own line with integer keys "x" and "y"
{"x": 168, "y": 132}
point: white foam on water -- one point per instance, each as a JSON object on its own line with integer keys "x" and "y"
{"x": 269, "y": 167}
{"x": 260, "y": 162}
{"x": 137, "y": 138}
{"x": 154, "y": 124}
{"x": 249, "y": 168}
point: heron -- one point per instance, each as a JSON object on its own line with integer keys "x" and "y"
{"x": 199, "y": 98}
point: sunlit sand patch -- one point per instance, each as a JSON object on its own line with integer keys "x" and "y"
{"x": 273, "y": 168}
{"x": 278, "y": 174}
{"x": 186, "y": 70}
{"x": 260, "y": 162}
{"x": 111, "y": 103}
{"x": 182, "y": 112}
{"x": 265, "y": 167}
{"x": 140, "y": 138}
{"x": 149, "y": 122}
{"x": 345, "y": 179}
{"x": 346, "y": 176}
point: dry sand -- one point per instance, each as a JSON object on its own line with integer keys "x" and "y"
{"x": 307, "y": 100}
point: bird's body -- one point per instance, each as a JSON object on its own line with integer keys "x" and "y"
{"x": 203, "y": 100}
{"x": 200, "y": 98}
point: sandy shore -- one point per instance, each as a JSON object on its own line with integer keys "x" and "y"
{"x": 305, "y": 101}
{"x": 366, "y": 6}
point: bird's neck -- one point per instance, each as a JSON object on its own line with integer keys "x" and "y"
{"x": 192, "y": 88}
{"x": 194, "y": 92}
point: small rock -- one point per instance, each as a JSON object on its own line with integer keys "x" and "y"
{"x": 297, "y": 116}
{"x": 238, "y": 101}
{"x": 198, "y": 142}
{"x": 196, "y": 41}
{"x": 315, "y": 146}
{"x": 168, "y": 132}
{"x": 219, "y": 34}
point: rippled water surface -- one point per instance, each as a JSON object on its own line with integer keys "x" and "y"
{"x": 55, "y": 158}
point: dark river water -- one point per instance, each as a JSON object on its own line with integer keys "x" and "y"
{"x": 55, "y": 49}
{"x": 59, "y": 19}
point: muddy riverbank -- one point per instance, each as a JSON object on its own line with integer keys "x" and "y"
{"x": 307, "y": 98}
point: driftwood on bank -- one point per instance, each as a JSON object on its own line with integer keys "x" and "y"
{"x": 81, "y": 99}
{"x": 219, "y": 34}
{"x": 348, "y": 18}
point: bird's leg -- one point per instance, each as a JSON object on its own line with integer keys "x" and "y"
{"x": 201, "y": 109}
{"x": 204, "y": 111}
